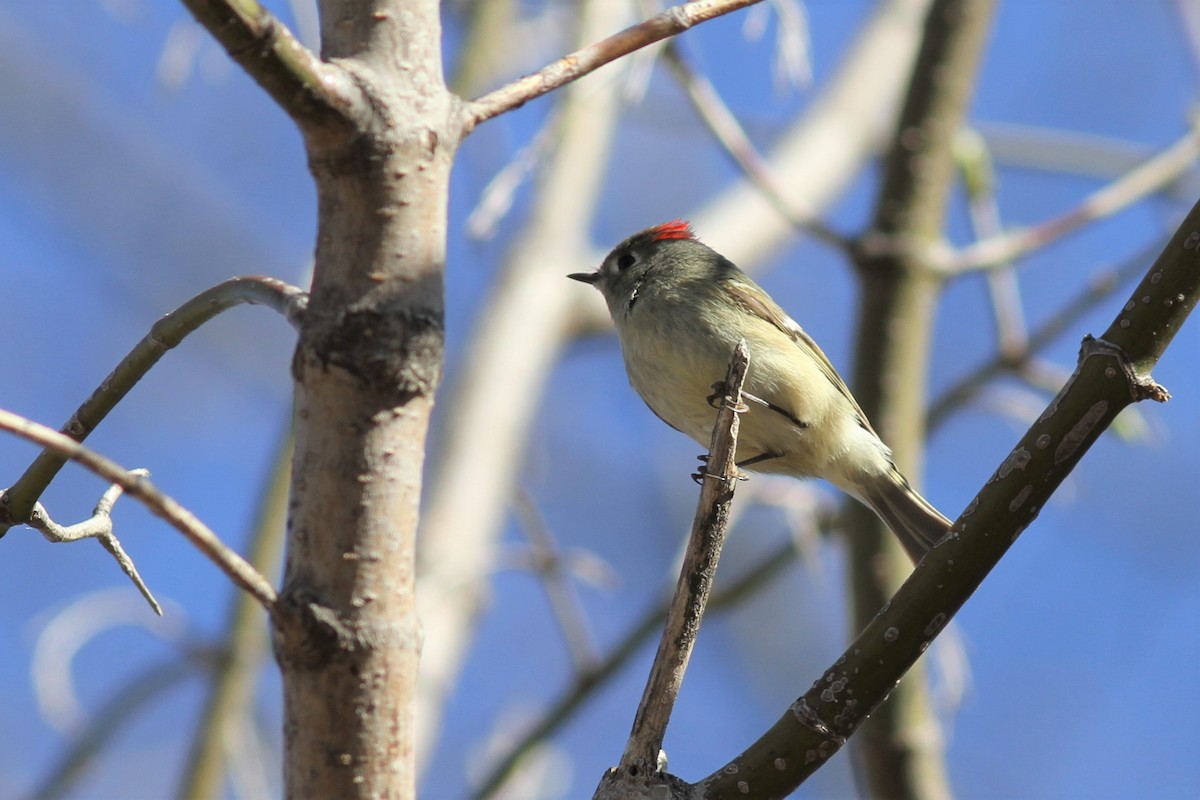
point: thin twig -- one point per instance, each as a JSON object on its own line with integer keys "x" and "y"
{"x": 164, "y": 506}
{"x": 497, "y": 197}
{"x": 670, "y": 22}
{"x": 165, "y": 334}
{"x": 99, "y": 526}
{"x": 1152, "y": 176}
{"x": 695, "y": 578}
{"x": 724, "y": 125}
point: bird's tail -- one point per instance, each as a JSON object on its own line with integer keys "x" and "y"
{"x": 914, "y": 520}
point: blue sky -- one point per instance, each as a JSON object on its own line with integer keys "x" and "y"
{"x": 120, "y": 197}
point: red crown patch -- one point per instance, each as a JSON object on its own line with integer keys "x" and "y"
{"x": 675, "y": 229}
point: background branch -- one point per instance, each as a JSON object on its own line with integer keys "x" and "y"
{"x": 490, "y": 409}
{"x": 146, "y": 686}
{"x": 900, "y": 748}
{"x": 1148, "y": 178}
{"x": 587, "y": 685}
{"x": 1101, "y": 287}
{"x": 725, "y": 127}
{"x": 244, "y": 651}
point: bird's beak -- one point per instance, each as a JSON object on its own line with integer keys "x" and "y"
{"x": 585, "y": 277}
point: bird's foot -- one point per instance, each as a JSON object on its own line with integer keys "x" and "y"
{"x": 703, "y": 472}
{"x": 720, "y": 396}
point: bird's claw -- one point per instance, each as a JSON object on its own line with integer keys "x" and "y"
{"x": 703, "y": 473}
{"x": 720, "y": 396}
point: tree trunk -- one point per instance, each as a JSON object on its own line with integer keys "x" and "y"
{"x": 368, "y": 361}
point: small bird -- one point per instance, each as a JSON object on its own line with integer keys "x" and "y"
{"x": 680, "y": 309}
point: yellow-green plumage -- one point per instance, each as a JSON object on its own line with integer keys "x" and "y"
{"x": 680, "y": 308}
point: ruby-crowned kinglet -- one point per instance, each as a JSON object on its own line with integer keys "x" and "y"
{"x": 680, "y": 308}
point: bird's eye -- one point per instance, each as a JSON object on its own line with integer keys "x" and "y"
{"x": 625, "y": 261}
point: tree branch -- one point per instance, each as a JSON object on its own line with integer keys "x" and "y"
{"x": 165, "y": 334}
{"x": 164, "y": 506}
{"x": 1152, "y": 176}
{"x": 674, "y": 20}
{"x": 244, "y": 649}
{"x": 99, "y": 526}
{"x": 489, "y": 411}
{"x": 305, "y": 87}
{"x": 901, "y": 753}
{"x": 723, "y": 125}
{"x": 1098, "y": 289}
{"x": 586, "y": 684}
{"x": 720, "y": 476}
{"x": 640, "y": 762}
{"x": 119, "y": 710}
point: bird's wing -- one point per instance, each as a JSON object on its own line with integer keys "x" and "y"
{"x": 762, "y": 306}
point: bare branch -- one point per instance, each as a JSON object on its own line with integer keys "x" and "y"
{"x": 139, "y": 691}
{"x": 488, "y": 413}
{"x": 901, "y": 755}
{"x": 979, "y": 177}
{"x": 730, "y": 135}
{"x": 305, "y": 87}
{"x": 674, "y": 20}
{"x": 99, "y": 526}
{"x": 1152, "y": 176}
{"x": 165, "y": 334}
{"x": 695, "y": 580}
{"x": 164, "y": 506}
{"x": 1098, "y": 289}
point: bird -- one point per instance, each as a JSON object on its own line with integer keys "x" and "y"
{"x": 680, "y": 308}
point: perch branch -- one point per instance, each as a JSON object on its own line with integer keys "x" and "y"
{"x": 585, "y": 686}
{"x": 695, "y": 580}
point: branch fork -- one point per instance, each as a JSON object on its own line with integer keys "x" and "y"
{"x": 99, "y": 526}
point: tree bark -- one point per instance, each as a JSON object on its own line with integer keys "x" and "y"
{"x": 366, "y": 367}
